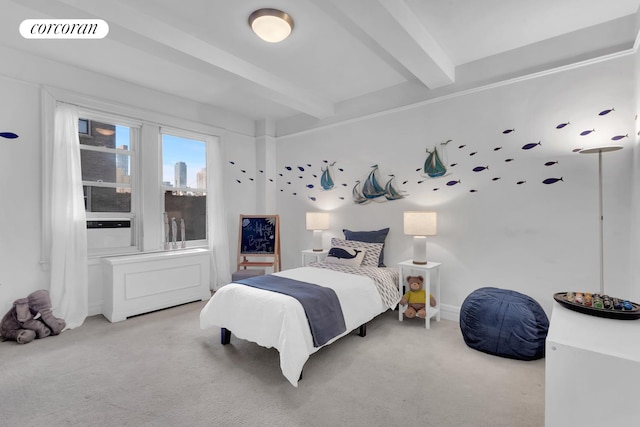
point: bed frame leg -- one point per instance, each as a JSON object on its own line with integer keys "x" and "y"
{"x": 225, "y": 336}
{"x": 362, "y": 331}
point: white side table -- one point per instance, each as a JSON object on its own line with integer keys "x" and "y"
{"x": 315, "y": 256}
{"x": 591, "y": 359}
{"x": 408, "y": 268}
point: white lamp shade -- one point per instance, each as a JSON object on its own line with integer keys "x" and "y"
{"x": 317, "y": 220}
{"x": 417, "y": 223}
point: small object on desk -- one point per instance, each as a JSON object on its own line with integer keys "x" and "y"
{"x": 578, "y": 297}
{"x": 601, "y": 306}
{"x": 597, "y": 303}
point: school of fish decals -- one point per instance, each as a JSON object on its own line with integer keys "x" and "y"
{"x": 507, "y": 139}
{"x": 327, "y": 179}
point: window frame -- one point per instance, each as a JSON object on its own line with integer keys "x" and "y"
{"x": 133, "y": 216}
{"x": 195, "y": 136}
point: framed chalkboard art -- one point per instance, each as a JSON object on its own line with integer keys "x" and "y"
{"x": 259, "y": 237}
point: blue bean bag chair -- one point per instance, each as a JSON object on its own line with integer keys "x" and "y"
{"x": 504, "y": 323}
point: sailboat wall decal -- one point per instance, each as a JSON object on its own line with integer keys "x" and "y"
{"x": 371, "y": 190}
{"x": 356, "y": 193}
{"x": 433, "y": 166}
{"x": 326, "y": 180}
{"x": 390, "y": 192}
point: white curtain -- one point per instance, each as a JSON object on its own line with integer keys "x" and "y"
{"x": 69, "y": 277}
{"x": 217, "y": 224}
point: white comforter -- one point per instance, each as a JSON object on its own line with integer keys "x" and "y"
{"x": 275, "y": 320}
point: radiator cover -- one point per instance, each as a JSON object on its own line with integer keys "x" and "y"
{"x": 137, "y": 284}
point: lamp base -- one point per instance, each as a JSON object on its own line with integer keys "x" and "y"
{"x": 419, "y": 250}
{"x": 317, "y": 240}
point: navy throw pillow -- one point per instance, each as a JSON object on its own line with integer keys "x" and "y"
{"x": 377, "y": 236}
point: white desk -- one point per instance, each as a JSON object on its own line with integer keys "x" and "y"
{"x": 408, "y": 268}
{"x": 592, "y": 370}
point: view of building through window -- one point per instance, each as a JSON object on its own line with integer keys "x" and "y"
{"x": 184, "y": 182}
{"x": 106, "y": 166}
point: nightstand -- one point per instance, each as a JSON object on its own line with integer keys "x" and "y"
{"x": 314, "y": 256}
{"x": 408, "y": 268}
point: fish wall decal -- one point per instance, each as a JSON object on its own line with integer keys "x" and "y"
{"x": 531, "y": 145}
{"x": 552, "y": 180}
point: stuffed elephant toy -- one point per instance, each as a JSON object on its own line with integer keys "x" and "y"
{"x": 30, "y": 318}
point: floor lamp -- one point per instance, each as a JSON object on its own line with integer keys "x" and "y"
{"x": 600, "y": 150}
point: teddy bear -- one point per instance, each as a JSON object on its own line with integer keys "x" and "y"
{"x": 416, "y": 298}
{"x": 30, "y": 318}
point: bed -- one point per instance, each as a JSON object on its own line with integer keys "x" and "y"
{"x": 272, "y": 319}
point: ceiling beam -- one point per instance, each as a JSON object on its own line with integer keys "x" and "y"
{"x": 393, "y": 25}
{"x": 270, "y": 86}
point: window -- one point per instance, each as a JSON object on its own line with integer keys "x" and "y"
{"x": 107, "y": 159}
{"x": 128, "y": 166}
{"x": 184, "y": 182}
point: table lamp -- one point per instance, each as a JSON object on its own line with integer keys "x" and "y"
{"x": 420, "y": 225}
{"x": 317, "y": 221}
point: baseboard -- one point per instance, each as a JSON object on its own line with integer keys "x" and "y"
{"x": 94, "y": 309}
{"x": 450, "y": 312}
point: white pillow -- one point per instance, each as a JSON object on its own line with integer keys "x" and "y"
{"x": 371, "y": 256}
{"x": 346, "y": 255}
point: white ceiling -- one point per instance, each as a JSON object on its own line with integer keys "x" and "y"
{"x": 340, "y": 51}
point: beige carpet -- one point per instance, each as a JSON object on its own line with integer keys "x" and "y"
{"x": 160, "y": 369}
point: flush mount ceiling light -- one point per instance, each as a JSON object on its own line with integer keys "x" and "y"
{"x": 271, "y": 25}
{"x": 105, "y": 132}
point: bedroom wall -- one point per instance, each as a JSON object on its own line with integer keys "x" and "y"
{"x": 499, "y": 225}
{"x": 21, "y": 77}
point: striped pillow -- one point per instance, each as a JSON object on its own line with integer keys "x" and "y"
{"x": 372, "y": 254}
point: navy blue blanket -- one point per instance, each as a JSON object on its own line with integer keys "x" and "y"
{"x": 320, "y": 304}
